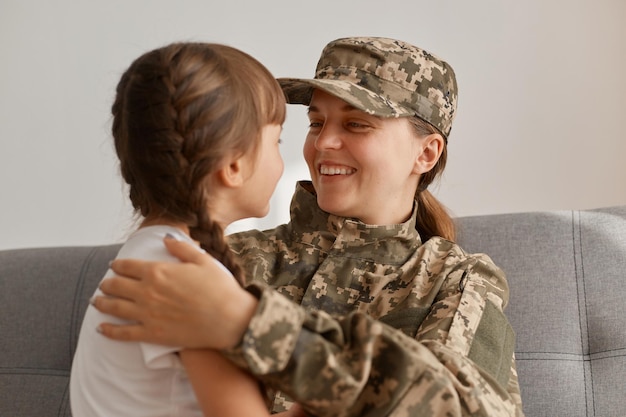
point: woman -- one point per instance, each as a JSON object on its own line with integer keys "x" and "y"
{"x": 362, "y": 305}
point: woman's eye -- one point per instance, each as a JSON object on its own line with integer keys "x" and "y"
{"x": 357, "y": 125}
{"x": 314, "y": 124}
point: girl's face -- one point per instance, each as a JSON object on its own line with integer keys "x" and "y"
{"x": 267, "y": 167}
{"x": 243, "y": 186}
{"x": 362, "y": 166}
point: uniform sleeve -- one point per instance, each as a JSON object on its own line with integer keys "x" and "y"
{"x": 459, "y": 364}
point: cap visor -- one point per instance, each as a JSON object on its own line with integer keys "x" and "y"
{"x": 299, "y": 91}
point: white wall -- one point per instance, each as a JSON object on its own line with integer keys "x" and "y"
{"x": 541, "y": 104}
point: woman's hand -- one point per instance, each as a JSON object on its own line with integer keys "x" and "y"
{"x": 192, "y": 304}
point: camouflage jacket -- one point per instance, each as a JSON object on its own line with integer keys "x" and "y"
{"x": 361, "y": 320}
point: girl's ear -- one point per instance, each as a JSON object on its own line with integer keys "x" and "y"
{"x": 432, "y": 147}
{"x": 231, "y": 175}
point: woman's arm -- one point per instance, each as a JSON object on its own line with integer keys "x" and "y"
{"x": 355, "y": 366}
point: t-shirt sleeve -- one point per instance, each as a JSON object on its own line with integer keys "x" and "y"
{"x": 161, "y": 357}
{"x": 149, "y": 246}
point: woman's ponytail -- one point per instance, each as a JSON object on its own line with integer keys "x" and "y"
{"x": 432, "y": 216}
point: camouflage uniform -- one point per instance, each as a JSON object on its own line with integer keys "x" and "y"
{"x": 360, "y": 320}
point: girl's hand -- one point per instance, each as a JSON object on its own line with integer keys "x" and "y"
{"x": 295, "y": 411}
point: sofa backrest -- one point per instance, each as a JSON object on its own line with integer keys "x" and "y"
{"x": 43, "y": 297}
{"x": 567, "y": 276}
{"x": 566, "y": 271}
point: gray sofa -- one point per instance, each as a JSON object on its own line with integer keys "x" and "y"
{"x": 566, "y": 270}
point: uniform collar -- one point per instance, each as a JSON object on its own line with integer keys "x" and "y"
{"x": 331, "y": 232}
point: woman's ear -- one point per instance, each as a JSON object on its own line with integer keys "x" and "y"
{"x": 432, "y": 147}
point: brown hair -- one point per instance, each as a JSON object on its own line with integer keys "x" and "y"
{"x": 432, "y": 217}
{"x": 178, "y": 111}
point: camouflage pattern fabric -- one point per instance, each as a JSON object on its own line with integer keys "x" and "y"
{"x": 360, "y": 320}
{"x": 384, "y": 77}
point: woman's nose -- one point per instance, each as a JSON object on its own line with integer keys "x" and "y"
{"x": 329, "y": 137}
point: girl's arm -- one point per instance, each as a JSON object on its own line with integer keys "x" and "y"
{"x": 222, "y": 389}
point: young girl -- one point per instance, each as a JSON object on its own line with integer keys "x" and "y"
{"x": 196, "y": 129}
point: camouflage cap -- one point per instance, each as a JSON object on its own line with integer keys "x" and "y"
{"x": 384, "y": 77}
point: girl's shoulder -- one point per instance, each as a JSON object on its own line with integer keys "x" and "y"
{"x": 147, "y": 243}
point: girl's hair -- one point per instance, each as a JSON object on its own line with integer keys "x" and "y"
{"x": 432, "y": 217}
{"x": 179, "y": 111}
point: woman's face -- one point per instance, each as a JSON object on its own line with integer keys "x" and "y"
{"x": 362, "y": 166}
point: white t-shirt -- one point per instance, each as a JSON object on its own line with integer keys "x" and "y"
{"x": 111, "y": 378}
